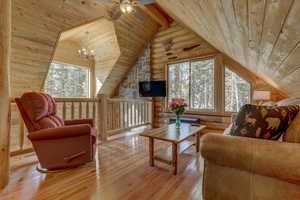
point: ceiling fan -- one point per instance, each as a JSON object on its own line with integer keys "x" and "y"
{"x": 127, "y": 6}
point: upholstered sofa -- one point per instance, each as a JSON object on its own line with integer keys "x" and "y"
{"x": 240, "y": 168}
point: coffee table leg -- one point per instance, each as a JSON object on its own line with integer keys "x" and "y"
{"x": 174, "y": 157}
{"x": 151, "y": 152}
{"x": 198, "y": 142}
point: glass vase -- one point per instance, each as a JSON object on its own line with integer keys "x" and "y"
{"x": 178, "y": 121}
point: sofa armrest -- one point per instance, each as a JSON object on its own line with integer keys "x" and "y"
{"x": 60, "y": 132}
{"x": 265, "y": 157}
{"x": 80, "y": 121}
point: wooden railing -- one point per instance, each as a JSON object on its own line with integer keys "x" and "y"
{"x": 68, "y": 108}
{"x": 123, "y": 114}
{"x": 112, "y": 116}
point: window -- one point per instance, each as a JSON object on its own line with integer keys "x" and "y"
{"x": 237, "y": 91}
{"x": 193, "y": 81}
{"x": 202, "y": 85}
{"x": 67, "y": 81}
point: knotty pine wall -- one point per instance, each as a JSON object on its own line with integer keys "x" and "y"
{"x": 179, "y": 43}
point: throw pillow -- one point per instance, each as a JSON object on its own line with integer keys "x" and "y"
{"x": 293, "y": 132}
{"x": 267, "y": 122}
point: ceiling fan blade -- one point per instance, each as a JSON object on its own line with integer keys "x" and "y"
{"x": 106, "y": 1}
{"x": 138, "y": 15}
{"x": 116, "y": 14}
{"x": 109, "y": 1}
{"x": 145, "y": 2}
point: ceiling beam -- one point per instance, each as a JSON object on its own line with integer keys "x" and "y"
{"x": 156, "y": 15}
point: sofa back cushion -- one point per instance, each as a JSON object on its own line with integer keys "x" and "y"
{"x": 288, "y": 102}
{"x": 38, "y": 111}
{"x": 267, "y": 122}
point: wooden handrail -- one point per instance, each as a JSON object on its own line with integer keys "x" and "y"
{"x": 128, "y": 100}
{"x": 122, "y": 114}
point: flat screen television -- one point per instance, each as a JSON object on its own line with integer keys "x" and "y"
{"x": 152, "y": 88}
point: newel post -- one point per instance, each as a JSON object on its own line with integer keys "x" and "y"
{"x": 102, "y": 117}
{"x": 5, "y": 45}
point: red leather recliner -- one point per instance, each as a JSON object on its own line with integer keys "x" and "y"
{"x": 57, "y": 143}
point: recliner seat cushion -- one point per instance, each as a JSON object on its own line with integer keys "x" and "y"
{"x": 267, "y": 122}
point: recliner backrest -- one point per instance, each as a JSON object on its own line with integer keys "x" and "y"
{"x": 39, "y": 111}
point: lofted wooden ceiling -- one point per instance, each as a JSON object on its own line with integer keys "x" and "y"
{"x": 37, "y": 25}
{"x": 262, "y": 35}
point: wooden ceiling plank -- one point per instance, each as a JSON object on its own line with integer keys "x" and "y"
{"x": 275, "y": 17}
{"x": 256, "y": 16}
{"x": 216, "y": 15}
{"x": 155, "y": 14}
{"x": 288, "y": 40}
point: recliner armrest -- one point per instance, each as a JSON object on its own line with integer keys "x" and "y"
{"x": 60, "y": 132}
{"x": 265, "y": 157}
{"x": 80, "y": 121}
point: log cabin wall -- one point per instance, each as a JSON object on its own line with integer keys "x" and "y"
{"x": 179, "y": 43}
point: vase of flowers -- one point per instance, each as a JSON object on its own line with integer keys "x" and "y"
{"x": 178, "y": 108}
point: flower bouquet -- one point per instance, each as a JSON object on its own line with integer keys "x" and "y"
{"x": 178, "y": 108}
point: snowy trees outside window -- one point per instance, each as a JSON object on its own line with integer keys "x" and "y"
{"x": 237, "y": 91}
{"x": 194, "y": 82}
{"x": 67, "y": 81}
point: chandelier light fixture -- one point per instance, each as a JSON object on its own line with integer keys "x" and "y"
{"x": 85, "y": 52}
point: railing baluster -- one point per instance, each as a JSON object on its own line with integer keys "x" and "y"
{"x": 94, "y": 109}
{"x": 87, "y": 109}
{"x": 21, "y": 132}
{"x": 64, "y": 111}
{"x": 72, "y": 110}
{"x": 80, "y": 110}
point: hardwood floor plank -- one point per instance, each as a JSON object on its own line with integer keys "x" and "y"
{"x": 121, "y": 171}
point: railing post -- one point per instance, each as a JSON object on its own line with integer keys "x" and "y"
{"x": 5, "y": 47}
{"x": 102, "y": 117}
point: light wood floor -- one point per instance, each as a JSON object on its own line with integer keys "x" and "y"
{"x": 121, "y": 171}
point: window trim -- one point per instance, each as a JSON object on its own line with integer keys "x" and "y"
{"x": 90, "y": 71}
{"x": 209, "y": 57}
{"x": 224, "y": 77}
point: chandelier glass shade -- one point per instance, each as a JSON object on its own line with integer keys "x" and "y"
{"x": 126, "y": 6}
{"x": 85, "y": 52}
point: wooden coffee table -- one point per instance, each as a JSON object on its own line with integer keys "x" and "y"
{"x": 178, "y": 138}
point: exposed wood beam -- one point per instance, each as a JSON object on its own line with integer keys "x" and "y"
{"x": 154, "y": 13}
{"x": 5, "y": 45}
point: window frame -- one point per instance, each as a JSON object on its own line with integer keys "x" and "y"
{"x": 189, "y": 110}
{"x": 89, "y": 70}
{"x": 237, "y": 73}
{"x": 219, "y": 84}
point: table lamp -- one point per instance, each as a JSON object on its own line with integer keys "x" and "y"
{"x": 261, "y": 96}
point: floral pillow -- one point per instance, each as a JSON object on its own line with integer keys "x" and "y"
{"x": 267, "y": 122}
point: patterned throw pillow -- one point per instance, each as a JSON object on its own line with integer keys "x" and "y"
{"x": 267, "y": 122}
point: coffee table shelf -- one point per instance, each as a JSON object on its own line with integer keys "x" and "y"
{"x": 165, "y": 155}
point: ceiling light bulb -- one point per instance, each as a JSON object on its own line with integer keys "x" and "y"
{"x": 126, "y": 7}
